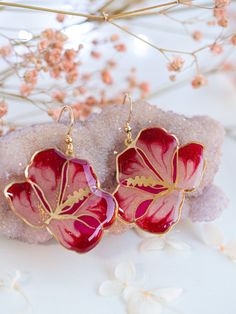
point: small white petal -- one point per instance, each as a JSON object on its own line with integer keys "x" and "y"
{"x": 129, "y": 291}
{"x": 178, "y": 245}
{"x": 167, "y": 294}
{"x": 230, "y": 250}
{"x": 213, "y": 235}
{"x": 111, "y": 288}
{"x": 152, "y": 244}
{"x": 143, "y": 303}
{"x": 125, "y": 272}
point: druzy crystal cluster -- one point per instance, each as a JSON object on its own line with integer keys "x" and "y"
{"x": 99, "y": 140}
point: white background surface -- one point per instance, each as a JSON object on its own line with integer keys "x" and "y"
{"x": 62, "y": 282}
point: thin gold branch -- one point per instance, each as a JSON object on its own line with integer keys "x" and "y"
{"x": 133, "y": 13}
{"x": 44, "y": 9}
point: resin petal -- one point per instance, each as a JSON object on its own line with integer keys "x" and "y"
{"x": 162, "y": 213}
{"x": 130, "y": 162}
{"x": 26, "y": 204}
{"x": 129, "y": 200}
{"x": 159, "y": 147}
{"x": 190, "y": 166}
{"x": 79, "y": 235}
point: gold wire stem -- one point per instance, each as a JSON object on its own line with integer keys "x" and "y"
{"x": 127, "y": 128}
{"x": 68, "y": 137}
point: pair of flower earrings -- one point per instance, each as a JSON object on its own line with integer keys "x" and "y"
{"x": 62, "y": 193}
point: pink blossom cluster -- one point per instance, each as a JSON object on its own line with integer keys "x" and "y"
{"x": 50, "y": 56}
{"x": 220, "y": 12}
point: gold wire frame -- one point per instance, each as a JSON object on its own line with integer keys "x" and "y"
{"x": 133, "y": 145}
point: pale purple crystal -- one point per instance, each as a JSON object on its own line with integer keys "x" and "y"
{"x": 98, "y": 140}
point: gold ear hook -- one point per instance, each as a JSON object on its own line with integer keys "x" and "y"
{"x": 68, "y": 138}
{"x": 128, "y": 129}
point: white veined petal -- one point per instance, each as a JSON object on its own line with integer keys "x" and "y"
{"x": 213, "y": 235}
{"x": 230, "y": 250}
{"x": 167, "y": 294}
{"x": 143, "y": 303}
{"x": 110, "y": 288}
{"x": 125, "y": 272}
{"x": 152, "y": 244}
{"x": 178, "y": 245}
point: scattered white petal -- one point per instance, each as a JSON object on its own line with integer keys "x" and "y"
{"x": 143, "y": 302}
{"x": 167, "y": 294}
{"x": 129, "y": 291}
{"x": 230, "y": 250}
{"x": 178, "y": 245}
{"x": 14, "y": 285}
{"x": 111, "y": 288}
{"x": 152, "y": 244}
{"x": 125, "y": 272}
{"x": 213, "y": 235}
{"x": 138, "y": 300}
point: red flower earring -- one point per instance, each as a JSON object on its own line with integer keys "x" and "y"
{"x": 62, "y": 193}
{"x": 154, "y": 173}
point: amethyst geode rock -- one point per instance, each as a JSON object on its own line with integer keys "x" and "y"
{"x": 98, "y": 140}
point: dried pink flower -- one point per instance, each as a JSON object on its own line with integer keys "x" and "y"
{"x": 145, "y": 88}
{"x": 43, "y": 44}
{"x": 5, "y": 51}
{"x": 53, "y": 56}
{"x": 219, "y": 13}
{"x": 26, "y": 89}
{"x": 70, "y": 54}
{"x": 221, "y": 3}
{"x": 54, "y": 113}
{"x": 106, "y": 77}
{"x": 172, "y": 78}
{"x": 199, "y": 81}
{"x": 176, "y": 64}
{"x": 60, "y": 18}
{"x": 68, "y": 66}
{"x": 228, "y": 66}
{"x": 30, "y": 77}
{"x": 48, "y": 33}
{"x": 3, "y": 108}
{"x": 80, "y": 90}
{"x": 233, "y": 40}
{"x": 120, "y": 47}
{"x": 197, "y": 35}
{"x": 91, "y": 101}
{"x": 115, "y": 37}
{"x": 96, "y": 54}
{"x": 55, "y": 72}
{"x": 216, "y": 49}
{"x": 72, "y": 76}
{"x": 223, "y": 22}
{"x": 59, "y": 96}
{"x": 111, "y": 63}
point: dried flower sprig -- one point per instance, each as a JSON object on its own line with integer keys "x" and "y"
{"x": 46, "y": 55}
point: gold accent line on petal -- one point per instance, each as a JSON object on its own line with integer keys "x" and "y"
{"x": 62, "y": 190}
{"x": 74, "y": 198}
{"x": 146, "y": 181}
